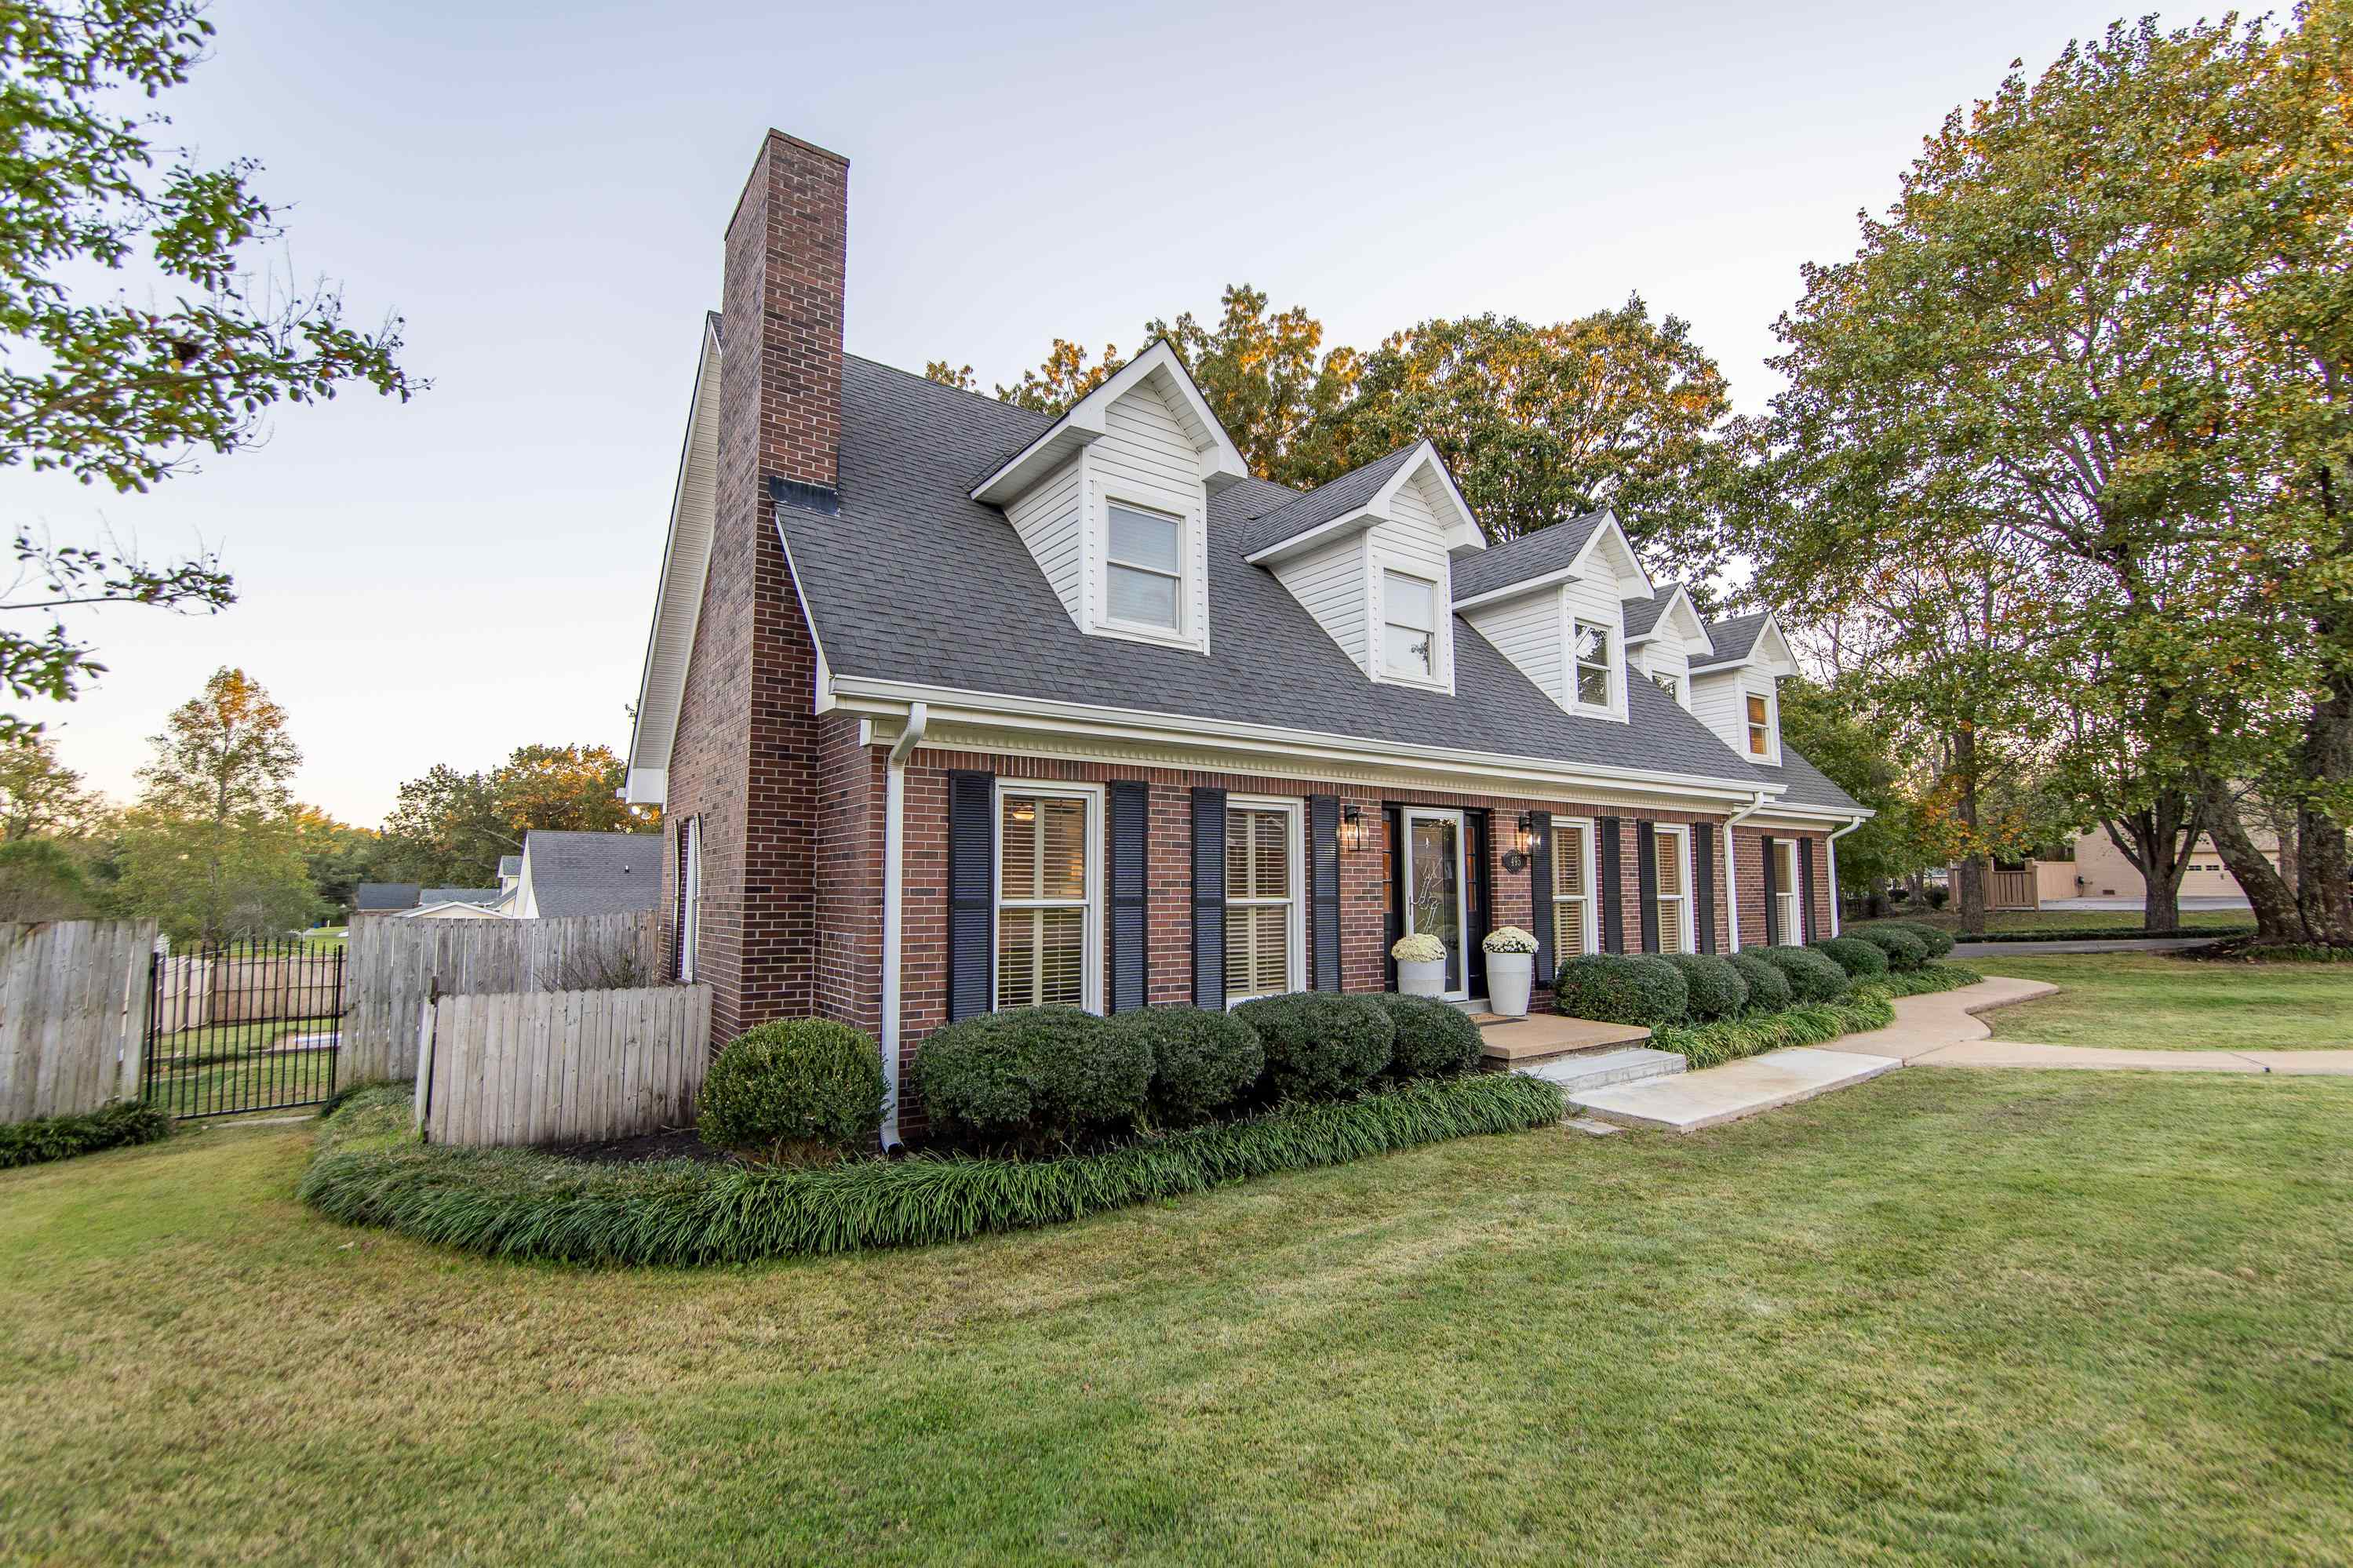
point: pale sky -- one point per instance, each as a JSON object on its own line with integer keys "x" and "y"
{"x": 541, "y": 192}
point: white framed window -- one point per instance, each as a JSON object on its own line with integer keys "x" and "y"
{"x": 1573, "y": 928}
{"x": 1671, "y": 851}
{"x": 1265, "y": 933}
{"x": 1408, "y": 626}
{"x": 1790, "y": 930}
{"x": 1049, "y": 895}
{"x": 1594, "y": 672}
{"x": 1759, "y": 717}
{"x": 690, "y": 899}
{"x": 1668, "y": 681}
{"x": 1144, "y": 561}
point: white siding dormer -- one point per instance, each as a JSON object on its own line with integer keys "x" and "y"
{"x": 1329, "y": 582}
{"x": 1665, "y": 662}
{"x": 1050, "y": 521}
{"x": 1591, "y": 606}
{"x": 1526, "y": 630}
{"x": 1722, "y": 701}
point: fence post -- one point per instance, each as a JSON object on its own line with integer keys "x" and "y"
{"x": 424, "y": 1056}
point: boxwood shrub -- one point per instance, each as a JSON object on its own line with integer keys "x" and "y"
{"x": 1768, "y": 988}
{"x": 1812, "y": 978}
{"x": 1860, "y": 959}
{"x": 1904, "y": 949}
{"x": 1939, "y": 943}
{"x": 1716, "y": 989}
{"x": 1203, "y": 1059}
{"x": 1433, "y": 1039}
{"x": 794, "y": 1089}
{"x": 1320, "y": 1045}
{"x": 1622, "y": 989}
{"x": 1032, "y": 1077}
{"x": 111, "y": 1126}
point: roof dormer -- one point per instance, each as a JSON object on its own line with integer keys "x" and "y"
{"x": 1664, "y": 634}
{"x": 1554, "y": 603}
{"x": 1113, "y": 501}
{"x": 1370, "y": 556}
{"x": 1736, "y": 687}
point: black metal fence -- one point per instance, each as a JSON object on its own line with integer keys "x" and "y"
{"x": 247, "y": 1026}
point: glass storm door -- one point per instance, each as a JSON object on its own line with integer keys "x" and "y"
{"x": 1433, "y": 886}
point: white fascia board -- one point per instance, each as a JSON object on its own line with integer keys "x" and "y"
{"x": 821, "y": 698}
{"x": 1323, "y": 533}
{"x": 1608, "y": 529}
{"x": 1516, "y": 590}
{"x": 1680, "y": 598}
{"x": 1088, "y": 418}
{"x": 1464, "y": 531}
{"x": 647, "y": 786}
{"x": 947, "y": 704}
{"x": 706, "y": 375}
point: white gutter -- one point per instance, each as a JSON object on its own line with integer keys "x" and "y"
{"x": 1731, "y": 878}
{"x": 895, "y": 834}
{"x": 1830, "y": 845}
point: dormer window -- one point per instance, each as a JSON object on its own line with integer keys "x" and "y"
{"x": 1410, "y": 628}
{"x": 1147, "y": 569}
{"x": 1760, "y": 725}
{"x": 1594, "y": 664}
{"x": 1668, "y": 682}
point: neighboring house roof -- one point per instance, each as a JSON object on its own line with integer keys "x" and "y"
{"x": 458, "y": 896}
{"x": 908, "y": 447}
{"x": 1734, "y": 639}
{"x": 594, "y": 873}
{"x": 386, "y": 896}
{"x": 446, "y": 909}
{"x": 509, "y": 866}
{"x": 1348, "y": 493}
{"x": 1542, "y": 553}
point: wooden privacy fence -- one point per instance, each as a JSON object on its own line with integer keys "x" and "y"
{"x": 561, "y": 1067}
{"x": 200, "y": 992}
{"x": 73, "y": 1015}
{"x": 2012, "y": 890}
{"x": 396, "y": 964}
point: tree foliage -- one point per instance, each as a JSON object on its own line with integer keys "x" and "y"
{"x": 40, "y": 797}
{"x": 450, "y": 827}
{"x": 120, "y": 391}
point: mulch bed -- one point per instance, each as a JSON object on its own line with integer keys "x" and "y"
{"x": 670, "y": 1144}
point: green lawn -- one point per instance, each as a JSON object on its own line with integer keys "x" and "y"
{"x": 189, "y": 1082}
{"x": 1998, "y": 921}
{"x": 1983, "y": 1318}
{"x": 2157, "y": 1002}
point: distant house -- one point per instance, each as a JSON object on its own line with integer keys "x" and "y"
{"x": 384, "y": 897}
{"x": 451, "y": 909}
{"x": 563, "y": 873}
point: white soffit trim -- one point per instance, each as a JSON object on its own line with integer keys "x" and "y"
{"x": 1463, "y": 533}
{"x": 1088, "y": 418}
{"x": 949, "y": 705}
{"x": 678, "y": 600}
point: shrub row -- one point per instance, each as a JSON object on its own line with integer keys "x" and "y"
{"x": 516, "y": 1202}
{"x": 1810, "y": 1024}
{"x": 1658, "y": 990}
{"x": 111, "y": 1126}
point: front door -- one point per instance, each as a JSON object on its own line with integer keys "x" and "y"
{"x": 1434, "y": 889}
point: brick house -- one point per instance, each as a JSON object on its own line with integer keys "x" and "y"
{"x": 950, "y": 705}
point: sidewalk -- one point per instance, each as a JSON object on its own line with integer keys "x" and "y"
{"x": 1945, "y": 1031}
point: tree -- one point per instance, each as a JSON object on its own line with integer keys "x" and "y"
{"x": 1833, "y": 728}
{"x": 113, "y": 390}
{"x": 1263, "y": 377}
{"x": 41, "y": 879}
{"x": 450, "y": 827}
{"x": 214, "y": 851}
{"x": 1063, "y": 378}
{"x": 336, "y": 856}
{"x": 2102, "y": 331}
{"x": 40, "y": 797}
{"x": 1543, "y": 423}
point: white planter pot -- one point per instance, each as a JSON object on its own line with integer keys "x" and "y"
{"x": 1422, "y": 979}
{"x": 1508, "y": 974}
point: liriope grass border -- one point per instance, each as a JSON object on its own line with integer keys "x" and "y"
{"x": 1869, "y": 1004}
{"x": 113, "y": 1125}
{"x": 520, "y": 1204}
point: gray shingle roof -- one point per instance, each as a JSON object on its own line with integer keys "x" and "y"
{"x": 1735, "y": 639}
{"x": 509, "y": 866}
{"x": 1641, "y": 614}
{"x": 385, "y": 895}
{"x": 594, "y": 873}
{"x": 1530, "y": 555}
{"x": 1344, "y": 495}
{"x": 1805, "y": 783}
{"x": 458, "y": 896}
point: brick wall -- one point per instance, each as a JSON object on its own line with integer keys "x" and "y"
{"x": 1750, "y": 869}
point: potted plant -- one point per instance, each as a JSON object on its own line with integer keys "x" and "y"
{"x": 1511, "y": 960}
{"x": 1421, "y": 964}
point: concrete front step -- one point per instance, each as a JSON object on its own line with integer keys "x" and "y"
{"x": 1689, "y": 1101}
{"x": 1602, "y": 1069}
{"x": 1518, "y": 1044}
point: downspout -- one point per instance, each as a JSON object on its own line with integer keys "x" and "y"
{"x": 1829, "y": 847}
{"x": 1732, "y": 863}
{"x": 895, "y": 834}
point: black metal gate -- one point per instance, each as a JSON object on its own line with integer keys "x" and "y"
{"x": 245, "y": 1026}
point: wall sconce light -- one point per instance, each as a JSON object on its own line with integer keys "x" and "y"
{"x": 1525, "y": 840}
{"x": 1352, "y": 829}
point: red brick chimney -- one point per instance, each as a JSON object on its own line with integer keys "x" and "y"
{"x": 746, "y": 759}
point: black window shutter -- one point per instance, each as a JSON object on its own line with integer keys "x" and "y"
{"x": 1772, "y": 900}
{"x": 1646, "y": 880}
{"x": 1703, "y": 877}
{"x": 1806, "y": 922}
{"x": 677, "y": 930}
{"x": 1540, "y": 898}
{"x": 1608, "y": 855}
{"x": 1393, "y": 822}
{"x": 1131, "y": 815}
{"x": 1482, "y": 892}
{"x": 1209, "y": 897}
{"x": 971, "y": 881}
{"x": 1323, "y": 895}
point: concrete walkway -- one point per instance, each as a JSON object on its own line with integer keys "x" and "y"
{"x": 1945, "y": 1031}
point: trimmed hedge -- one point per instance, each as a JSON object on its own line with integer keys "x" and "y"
{"x": 792, "y": 1087}
{"x": 1904, "y": 948}
{"x": 1320, "y": 1045}
{"x": 1812, "y": 978}
{"x": 520, "y": 1204}
{"x": 1622, "y": 989}
{"x": 1716, "y": 988}
{"x": 1434, "y": 1039}
{"x": 1031, "y": 1075}
{"x": 1768, "y": 988}
{"x": 1808, "y": 1025}
{"x": 1203, "y": 1059}
{"x": 1937, "y": 940}
{"x": 111, "y": 1126}
{"x": 1861, "y": 960}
